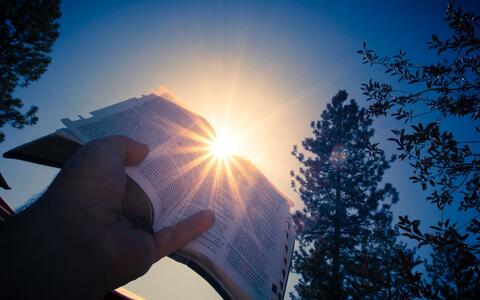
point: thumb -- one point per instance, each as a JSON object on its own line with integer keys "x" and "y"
{"x": 112, "y": 148}
{"x": 175, "y": 237}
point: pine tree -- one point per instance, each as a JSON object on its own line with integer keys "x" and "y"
{"x": 347, "y": 246}
{"x": 28, "y": 29}
{"x": 385, "y": 268}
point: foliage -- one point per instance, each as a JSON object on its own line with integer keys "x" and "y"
{"x": 28, "y": 29}
{"x": 429, "y": 98}
{"x": 346, "y": 243}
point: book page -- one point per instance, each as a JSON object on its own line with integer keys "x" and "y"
{"x": 261, "y": 249}
{"x": 151, "y": 120}
{"x": 172, "y": 135}
{"x": 252, "y": 239}
{"x": 168, "y": 174}
{"x": 251, "y": 242}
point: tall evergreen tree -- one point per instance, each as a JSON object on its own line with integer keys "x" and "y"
{"x": 346, "y": 243}
{"x": 28, "y": 29}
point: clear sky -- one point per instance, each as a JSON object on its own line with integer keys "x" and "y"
{"x": 261, "y": 70}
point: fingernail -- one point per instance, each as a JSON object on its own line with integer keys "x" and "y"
{"x": 206, "y": 218}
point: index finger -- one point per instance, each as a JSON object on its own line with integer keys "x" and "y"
{"x": 97, "y": 169}
{"x": 130, "y": 152}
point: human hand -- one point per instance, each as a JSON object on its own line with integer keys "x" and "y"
{"x": 79, "y": 243}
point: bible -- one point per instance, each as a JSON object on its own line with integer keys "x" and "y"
{"x": 247, "y": 253}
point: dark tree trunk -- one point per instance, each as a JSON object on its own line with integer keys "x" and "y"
{"x": 337, "y": 278}
{"x": 337, "y": 243}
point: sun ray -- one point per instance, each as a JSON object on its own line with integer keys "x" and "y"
{"x": 193, "y": 164}
{"x": 232, "y": 185}
{"x": 240, "y": 166}
{"x": 201, "y": 178}
{"x": 245, "y": 133}
{"x": 205, "y": 134}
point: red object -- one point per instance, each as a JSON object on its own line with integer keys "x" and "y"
{"x": 5, "y": 211}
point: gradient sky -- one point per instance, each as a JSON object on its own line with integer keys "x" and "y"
{"x": 258, "y": 69}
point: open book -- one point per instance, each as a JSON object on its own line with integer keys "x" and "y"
{"x": 247, "y": 252}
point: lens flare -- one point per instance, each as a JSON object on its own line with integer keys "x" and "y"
{"x": 223, "y": 146}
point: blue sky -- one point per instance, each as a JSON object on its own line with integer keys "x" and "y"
{"x": 271, "y": 63}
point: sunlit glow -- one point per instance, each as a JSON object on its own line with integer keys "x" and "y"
{"x": 223, "y": 146}
{"x": 242, "y": 111}
{"x": 339, "y": 155}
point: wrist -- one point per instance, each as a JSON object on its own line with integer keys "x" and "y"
{"x": 57, "y": 253}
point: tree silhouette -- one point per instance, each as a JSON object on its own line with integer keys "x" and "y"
{"x": 28, "y": 29}
{"x": 448, "y": 168}
{"x": 347, "y": 247}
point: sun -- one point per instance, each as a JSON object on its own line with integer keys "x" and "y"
{"x": 224, "y": 146}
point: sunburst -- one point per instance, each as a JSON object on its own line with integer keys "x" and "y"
{"x": 223, "y": 147}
